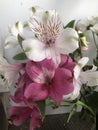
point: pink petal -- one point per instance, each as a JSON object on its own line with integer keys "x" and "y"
{"x": 62, "y": 84}
{"x": 19, "y": 114}
{"x": 37, "y": 70}
{"x": 36, "y": 92}
{"x": 48, "y": 64}
{"x": 19, "y": 95}
{"x": 23, "y": 82}
{"x": 67, "y": 62}
{"x": 33, "y": 69}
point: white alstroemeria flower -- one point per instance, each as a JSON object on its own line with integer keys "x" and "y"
{"x": 12, "y": 40}
{"x": 87, "y": 23}
{"x": 12, "y": 46}
{"x": 77, "y": 80}
{"x": 89, "y": 77}
{"x": 52, "y": 39}
{"x": 8, "y": 71}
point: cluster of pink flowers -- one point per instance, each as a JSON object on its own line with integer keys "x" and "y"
{"x": 41, "y": 80}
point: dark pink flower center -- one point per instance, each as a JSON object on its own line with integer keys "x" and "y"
{"x": 48, "y": 81}
{"x": 15, "y": 117}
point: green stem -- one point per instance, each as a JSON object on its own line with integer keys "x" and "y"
{"x": 85, "y": 106}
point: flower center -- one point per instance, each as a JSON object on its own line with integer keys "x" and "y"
{"x": 48, "y": 82}
{"x": 50, "y": 42}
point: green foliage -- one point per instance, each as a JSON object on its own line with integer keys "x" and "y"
{"x": 20, "y": 56}
{"x": 75, "y": 55}
{"x": 73, "y": 111}
{"x": 70, "y": 24}
{"x": 92, "y": 101}
{"x": 20, "y": 39}
{"x": 86, "y": 107}
{"x": 42, "y": 108}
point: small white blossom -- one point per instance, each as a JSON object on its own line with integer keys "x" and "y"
{"x": 87, "y": 23}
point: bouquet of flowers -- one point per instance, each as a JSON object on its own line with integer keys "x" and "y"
{"x": 49, "y": 67}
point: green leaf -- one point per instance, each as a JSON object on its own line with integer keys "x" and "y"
{"x": 86, "y": 107}
{"x": 42, "y": 106}
{"x": 92, "y": 100}
{"x": 20, "y": 39}
{"x": 20, "y": 56}
{"x": 70, "y": 24}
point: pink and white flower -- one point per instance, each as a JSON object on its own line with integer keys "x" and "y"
{"x": 49, "y": 81}
{"x": 23, "y": 82}
{"x": 19, "y": 114}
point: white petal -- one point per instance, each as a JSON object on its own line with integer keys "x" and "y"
{"x": 54, "y": 54}
{"x": 3, "y": 85}
{"x": 36, "y": 10}
{"x": 81, "y": 63}
{"x": 17, "y": 29}
{"x": 44, "y": 15}
{"x": 91, "y": 78}
{"x": 34, "y": 49}
{"x": 95, "y": 28}
{"x": 75, "y": 93}
{"x": 67, "y": 41}
{"x": 3, "y": 62}
{"x": 10, "y": 41}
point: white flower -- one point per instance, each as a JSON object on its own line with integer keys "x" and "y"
{"x": 8, "y": 71}
{"x": 77, "y": 80}
{"x": 51, "y": 39}
{"x": 12, "y": 41}
{"x": 87, "y": 23}
{"x": 12, "y": 46}
{"x": 89, "y": 77}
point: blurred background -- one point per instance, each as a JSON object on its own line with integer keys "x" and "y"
{"x": 17, "y": 10}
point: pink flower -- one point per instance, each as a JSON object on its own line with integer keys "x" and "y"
{"x": 20, "y": 114}
{"x": 23, "y": 81}
{"x": 67, "y": 62}
{"x": 49, "y": 81}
